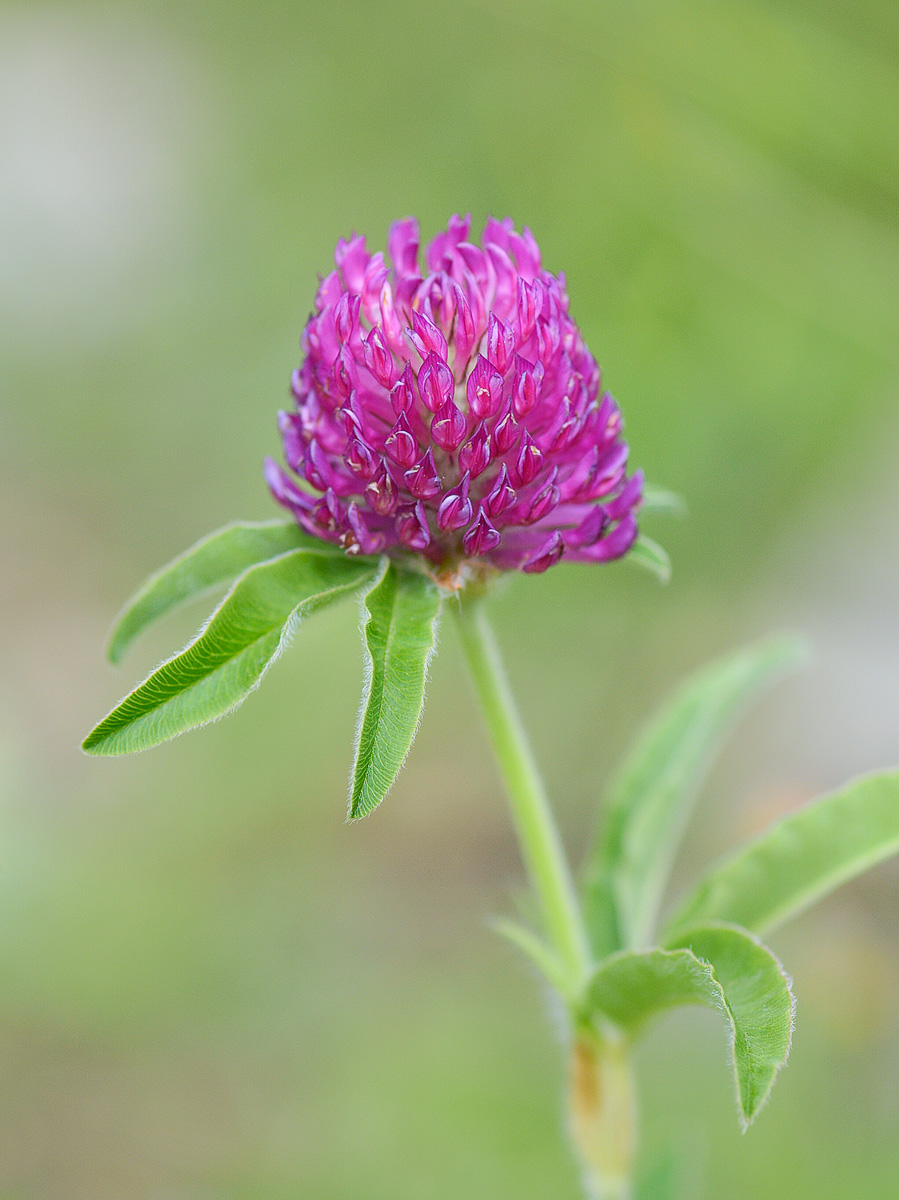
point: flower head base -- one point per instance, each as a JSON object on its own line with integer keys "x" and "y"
{"x": 454, "y": 411}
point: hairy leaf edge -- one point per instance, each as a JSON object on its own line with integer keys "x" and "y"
{"x": 117, "y": 646}
{"x": 723, "y": 1007}
{"x": 745, "y": 1120}
{"x": 288, "y": 629}
{"x": 369, "y": 667}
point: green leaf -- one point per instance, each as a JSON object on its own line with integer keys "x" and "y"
{"x": 660, "y": 500}
{"x": 723, "y": 968}
{"x": 229, "y": 656}
{"x": 653, "y": 794}
{"x": 760, "y": 1002}
{"x": 216, "y": 559}
{"x": 649, "y": 554}
{"x": 800, "y": 859}
{"x": 400, "y": 636}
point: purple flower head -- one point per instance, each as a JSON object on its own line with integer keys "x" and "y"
{"x": 452, "y": 410}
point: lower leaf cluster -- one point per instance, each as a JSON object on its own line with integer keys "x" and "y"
{"x": 708, "y": 951}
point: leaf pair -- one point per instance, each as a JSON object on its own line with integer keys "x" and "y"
{"x": 279, "y": 576}
{"x": 710, "y": 953}
{"x": 798, "y": 861}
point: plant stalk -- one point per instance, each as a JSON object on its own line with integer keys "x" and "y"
{"x": 538, "y": 837}
{"x": 600, "y": 1097}
{"x": 602, "y": 1114}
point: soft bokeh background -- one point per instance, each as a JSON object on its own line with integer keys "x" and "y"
{"x": 214, "y": 989}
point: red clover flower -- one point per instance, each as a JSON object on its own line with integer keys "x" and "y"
{"x": 454, "y": 413}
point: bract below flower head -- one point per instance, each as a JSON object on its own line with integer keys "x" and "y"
{"x": 452, "y": 410}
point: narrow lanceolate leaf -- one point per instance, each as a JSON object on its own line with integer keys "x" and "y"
{"x": 215, "y": 560}
{"x": 400, "y": 635}
{"x": 653, "y": 795}
{"x": 649, "y": 554}
{"x": 229, "y": 656}
{"x": 800, "y": 859}
{"x": 724, "y": 969}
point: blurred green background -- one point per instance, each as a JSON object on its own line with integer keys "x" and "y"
{"x": 211, "y": 988}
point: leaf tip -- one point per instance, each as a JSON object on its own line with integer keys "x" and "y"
{"x": 355, "y": 811}
{"x": 361, "y": 806}
{"x": 652, "y": 557}
{"x": 93, "y": 743}
{"x": 115, "y": 649}
{"x": 663, "y": 501}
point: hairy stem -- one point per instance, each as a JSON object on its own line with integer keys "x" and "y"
{"x": 538, "y": 837}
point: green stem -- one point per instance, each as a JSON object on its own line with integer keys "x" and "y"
{"x": 600, "y": 1093}
{"x": 540, "y": 844}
